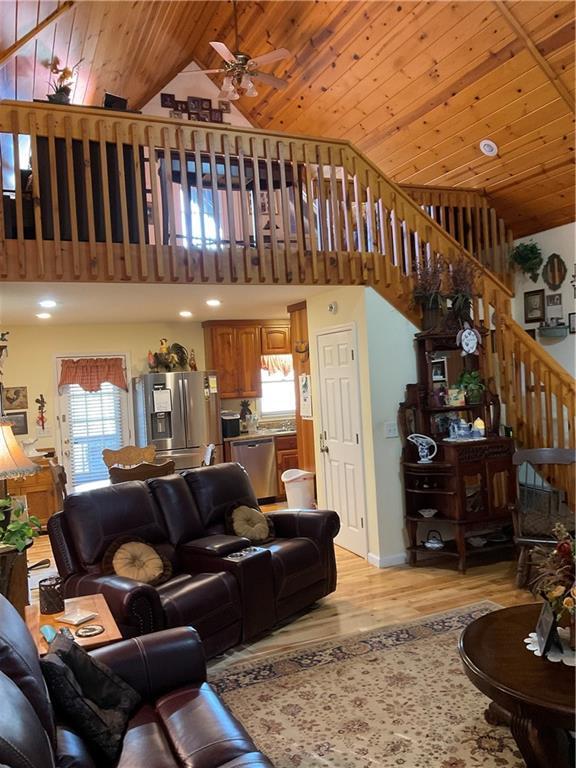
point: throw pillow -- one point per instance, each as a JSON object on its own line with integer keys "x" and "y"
{"x": 134, "y": 559}
{"x": 88, "y": 695}
{"x": 252, "y": 524}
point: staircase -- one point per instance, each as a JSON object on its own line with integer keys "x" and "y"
{"x": 105, "y": 199}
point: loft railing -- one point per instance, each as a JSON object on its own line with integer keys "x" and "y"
{"x": 467, "y": 215}
{"x": 90, "y": 195}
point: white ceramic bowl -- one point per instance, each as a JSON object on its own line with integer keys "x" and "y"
{"x": 427, "y": 512}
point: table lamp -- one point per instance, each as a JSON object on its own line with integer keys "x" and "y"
{"x": 13, "y": 461}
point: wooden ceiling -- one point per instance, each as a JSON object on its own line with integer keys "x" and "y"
{"x": 415, "y": 85}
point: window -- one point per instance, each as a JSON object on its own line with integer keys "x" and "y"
{"x": 92, "y": 421}
{"x": 278, "y": 393}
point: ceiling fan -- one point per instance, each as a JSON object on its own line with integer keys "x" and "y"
{"x": 240, "y": 69}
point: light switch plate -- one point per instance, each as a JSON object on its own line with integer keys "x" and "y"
{"x": 390, "y": 429}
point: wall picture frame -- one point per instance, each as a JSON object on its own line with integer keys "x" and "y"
{"x": 14, "y": 398}
{"x": 225, "y": 107}
{"x": 206, "y": 104}
{"x": 167, "y": 100}
{"x": 176, "y": 114}
{"x": 19, "y": 421}
{"x": 572, "y": 322}
{"x": 194, "y": 115}
{"x": 194, "y": 104}
{"x": 216, "y": 116}
{"x": 534, "y": 306}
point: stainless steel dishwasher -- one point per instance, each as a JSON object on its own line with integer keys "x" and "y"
{"x": 258, "y": 457}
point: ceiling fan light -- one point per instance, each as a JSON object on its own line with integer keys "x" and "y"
{"x": 251, "y": 90}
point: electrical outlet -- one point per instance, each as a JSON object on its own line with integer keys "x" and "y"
{"x": 390, "y": 429}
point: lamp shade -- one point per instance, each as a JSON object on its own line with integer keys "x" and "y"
{"x": 13, "y": 461}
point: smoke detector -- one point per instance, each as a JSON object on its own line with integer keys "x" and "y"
{"x": 488, "y": 147}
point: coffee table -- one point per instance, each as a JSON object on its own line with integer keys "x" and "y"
{"x": 531, "y": 694}
{"x": 94, "y": 603}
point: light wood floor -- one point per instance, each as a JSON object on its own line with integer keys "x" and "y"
{"x": 369, "y": 597}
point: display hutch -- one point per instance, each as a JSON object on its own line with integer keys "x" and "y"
{"x": 470, "y": 482}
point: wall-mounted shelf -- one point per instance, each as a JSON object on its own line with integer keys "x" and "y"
{"x": 557, "y": 332}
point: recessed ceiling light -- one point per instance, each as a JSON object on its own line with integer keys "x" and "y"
{"x": 488, "y": 147}
{"x": 213, "y": 302}
{"x": 47, "y": 303}
{"x": 185, "y": 313}
{"x": 43, "y": 315}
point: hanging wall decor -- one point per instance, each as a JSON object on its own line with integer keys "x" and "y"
{"x": 554, "y": 272}
{"x": 41, "y": 416}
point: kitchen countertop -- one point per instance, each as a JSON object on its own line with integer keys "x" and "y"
{"x": 262, "y": 433}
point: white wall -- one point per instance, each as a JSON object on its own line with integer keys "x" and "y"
{"x": 185, "y": 85}
{"x": 387, "y": 362}
{"x": 560, "y": 240}
{"x": 32, "y": 352}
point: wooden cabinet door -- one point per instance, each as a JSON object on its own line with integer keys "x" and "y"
{"x": 285, "y": 460}
{"x": 223, "y": 359}
{"x": 248, "y": 360}
{"x": 276, "y": 340}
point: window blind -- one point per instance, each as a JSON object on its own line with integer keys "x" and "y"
{"x": 95, "y": 422}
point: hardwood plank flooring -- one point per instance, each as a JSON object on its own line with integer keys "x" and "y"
{"x": 369, "y": 597}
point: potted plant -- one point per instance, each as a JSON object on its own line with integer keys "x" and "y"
{"x": 528, "y": 257}
{"x": 16, "y": 533}
{"x": 473, "y": 385}
{"x": 427, "y": 291}
{"x": 462, "y": 273}
{"x": 62, "y": 83}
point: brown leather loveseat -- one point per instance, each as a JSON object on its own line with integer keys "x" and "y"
{"x": 225, "y": 595}
{"x": 181, "y": 722}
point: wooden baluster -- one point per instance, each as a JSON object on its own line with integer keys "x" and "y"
{"x": 311, "y": 219}
{"x": 548, "y": 402}
{"x": 230, "y": 209}
{"x": 538, "y": 431}
{"x": 197, "y": 138}
{"x": 257, "y": 215}
{"x": 461, "y": 235}
{"x": 519, "y": 390}
{"x": 528, "y": 397}
{"x": 123, "y": 202}
{"x": 323, "y": 215}
{"x": 396, "y": 249}
{"x": 571, "y": 407}
{"x": 442, "y": 219}
{"x": 55, "y": 202}
{"x": 383, "y": 236}
{"x": 496, "y": 262}
{"x": 40, "y": 266}
{"x": 101, "y": 133}
{"x": 285, "y": 211}
{"x": 347, "y": 217}
{"x": 271, "y": 210}
{"x": 559, "y": 390}
{"x": 359, "y": 219}
{"x": 247, "y": 249}
{"x": 152, "y": 163}
{"x": 335, "y": 207}
{"x": 211, "y": 142}
{"x": 300, "y": 238}
{"x": 487, "y": 259}
{"x": 18, "y": 191}
{"x": 186, "y": 205}
{"x": 76, "y": 270}
{"x": 504, "y": 255}
{"x": 451, "y": 220}
{"x": 89, "y": 197}
{"x": 371, "y": 225}
{"x": 508, "y": 356}
{"x": 138, "y": 183}
{"x": 478, "y": 245}
{"x": 469, "y": 232}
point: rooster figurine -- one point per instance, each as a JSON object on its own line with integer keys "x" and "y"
{"x": 168, "y": 357}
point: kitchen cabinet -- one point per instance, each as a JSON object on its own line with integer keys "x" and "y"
{"x": 276, "y": 339}
{"x": 286, "y": 458}
{"x": 41, "y": 493}
{"x": 233, "y": 351}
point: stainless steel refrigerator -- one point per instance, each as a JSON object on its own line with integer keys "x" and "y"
{"x": 179, "y": 413}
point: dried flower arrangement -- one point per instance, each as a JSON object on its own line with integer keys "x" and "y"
{"x": 427, "y": 290}
{"x": 62, "y": 83}
{"x": 557, "y": 573}
{"x": 462, "y": 273}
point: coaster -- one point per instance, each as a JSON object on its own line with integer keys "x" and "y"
{"x": 90, "y": 630}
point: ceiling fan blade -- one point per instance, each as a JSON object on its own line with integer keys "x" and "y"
{"x": 224, "y": 51}
{"x": 275, "y": 82}
{"x": 266, "y": 58}
{"x": 200, "y": 71}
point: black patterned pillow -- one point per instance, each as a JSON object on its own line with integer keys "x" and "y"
{"x": 90, "y": 697}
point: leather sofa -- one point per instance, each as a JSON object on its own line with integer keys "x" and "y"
{"x": 227, "y": 598}
{"x": 181, "y": 722}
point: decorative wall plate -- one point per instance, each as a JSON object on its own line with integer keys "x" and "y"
{"x": 554, "y": 272}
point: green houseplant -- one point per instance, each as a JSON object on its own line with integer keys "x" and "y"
{"x": 16, "y": 529}
{"x": 462, "y": 274}
{"x": 528, "y": 257}
{"x": 473, "y": 385}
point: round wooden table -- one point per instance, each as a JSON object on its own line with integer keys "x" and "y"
{"x": 534, "y": 696}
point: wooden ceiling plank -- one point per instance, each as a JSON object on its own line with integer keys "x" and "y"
{"x": 535, "y": 53}
{"x": 518, "y": 80}
{"x": 531, "y": 175}
{"x": 97, "y": 13}
{"x": 26, "y": 20}
{"x": 143, "y": 45}
{"x": 7, "y": 53}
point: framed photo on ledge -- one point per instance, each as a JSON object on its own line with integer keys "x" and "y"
{"x": 534, "y": 306}
{"x": 19, "y": 421}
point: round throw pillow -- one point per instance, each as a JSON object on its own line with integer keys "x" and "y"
{"x": 250, "y": 523}
{"x": 134, "y": 559}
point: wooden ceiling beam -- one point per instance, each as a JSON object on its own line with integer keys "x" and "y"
{"x": 7, "y": 53}
{"x": 522, "y": 35}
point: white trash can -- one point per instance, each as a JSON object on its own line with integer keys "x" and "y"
{"x": 299, "y": 486}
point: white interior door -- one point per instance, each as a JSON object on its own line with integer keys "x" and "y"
{"x": 341, "y": 443}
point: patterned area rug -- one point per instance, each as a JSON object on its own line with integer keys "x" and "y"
{"x": 392, "y": 697}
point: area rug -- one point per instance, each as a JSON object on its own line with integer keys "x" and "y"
{"x": 392, "y": 697}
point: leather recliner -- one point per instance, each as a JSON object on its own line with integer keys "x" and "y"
{"x": 90, "y": 522}
{"x": 181, "y": 722}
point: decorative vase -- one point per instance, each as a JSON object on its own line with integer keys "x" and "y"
{"x": 59, "y": 97}
{"x": 474, "y": 396}
{"x": 50, "y": 593}
{"x": 431, "y": 317}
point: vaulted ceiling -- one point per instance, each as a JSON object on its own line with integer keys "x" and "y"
{"x": 415, "y": 85}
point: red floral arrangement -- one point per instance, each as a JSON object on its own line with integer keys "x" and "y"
{"x": 557, "y": 574}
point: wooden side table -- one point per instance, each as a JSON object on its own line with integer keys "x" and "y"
{"x": 533, "y": 695}
{"x": 94, "y": 603}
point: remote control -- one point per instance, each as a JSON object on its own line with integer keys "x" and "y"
{"x": 66, "y": 632}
